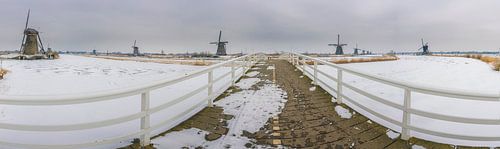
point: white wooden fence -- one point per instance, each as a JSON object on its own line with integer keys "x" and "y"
{"x": 300, "y": 61}
{"x": 144, "y": 133}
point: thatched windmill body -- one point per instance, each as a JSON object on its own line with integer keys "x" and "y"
{"x": 221, "y": 45}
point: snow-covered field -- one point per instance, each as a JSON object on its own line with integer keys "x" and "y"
{"x": 441, "y": 72}
{"x": 76, "y": 74}
{"x": 83, "y": 75}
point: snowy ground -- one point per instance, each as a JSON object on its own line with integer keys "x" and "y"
{"x": 441, "y": 72}
{"x": 83, "y": 75}
{"x": 77, "y": 74}
{"x": 250, "y": 108}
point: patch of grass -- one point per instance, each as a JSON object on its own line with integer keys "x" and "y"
{"x": 136, "y": 144}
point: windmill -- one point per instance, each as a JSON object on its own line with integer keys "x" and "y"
{"x": 135, "y": 49}
{"x": 31, "y": 40}
{"x": 221, "y": 45}
{"x": 356, "y": 50}
{"x": 425, "y": 48}
{"x": 339, "y": 50}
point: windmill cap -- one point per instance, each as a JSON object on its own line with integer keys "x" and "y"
{"x": 30, "y": 31}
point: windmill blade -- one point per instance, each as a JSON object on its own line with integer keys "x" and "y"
{"x": 41, "y": 44}
{"x": 27, "y": 20}
{"x": 135, "y": 42}
{"x": 213, "y": 42}
{"x": 22, "y": 43}
{"x": 332, "y": 44}
{"x": 420, "y": 48}
{"x": 25, "y": 27}
{"x": 343, "y": 44}
{"x": 220, "y": 34}
{"x": 338, "y": 38}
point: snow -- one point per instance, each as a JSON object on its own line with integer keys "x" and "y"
{"x": 83, "y": 75}
{"x": 247, "y": 83}
{"x": 251, "y": 109}
{"x": 190, "y": 138}
{"x": 270, "y": 67}
{"x": 76, "y": 74}
{"x": 312, "y": 88}
{"x": 343, "y": 112}
{"x": 334, "y": 100}
{"x": 417, "y": 147}
{"x": 391, "y": 134}
{"x": 444, "y": 72}
{"x": 252, "y": 73}
{"x": 452, "y": 73}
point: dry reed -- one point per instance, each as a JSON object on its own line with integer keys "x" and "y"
{"x": 365, "y": 59}
{"x": 3, "y": 72}
{"x": 492, "y": 60}
{"x": 162, "y": 61}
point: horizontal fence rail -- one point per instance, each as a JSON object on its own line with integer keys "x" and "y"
{"x": 144, "y": 134}
{"x": 303, "y": 62}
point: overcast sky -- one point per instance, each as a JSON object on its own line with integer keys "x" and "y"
{"x": 265, "y": 25}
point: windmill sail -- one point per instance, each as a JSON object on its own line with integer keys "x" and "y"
{"x": 25, "y": 27}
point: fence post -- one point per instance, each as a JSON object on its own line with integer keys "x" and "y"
{"x": 315, "y": 72}
{"x": 297, "y": 61}
{"x": 304, "y": 66}
{"x": 243, "y": 65}
{"x": 232, "y": 73}
{"x": 274, "y": 73}
{"x": 247, "y": 65}
{"x": 405, "y": 134}
{"x": 210, "y": 87}
{"x": 250, "y": 61}
{"x": 145, "y": 123}
{"x": 339, "y": 85}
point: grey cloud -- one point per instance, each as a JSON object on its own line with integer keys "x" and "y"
{"x": 180, "y": 25}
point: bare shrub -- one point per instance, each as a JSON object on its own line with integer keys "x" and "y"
{"x": 3, "y": 72}
{"x": 496, "y": 64}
